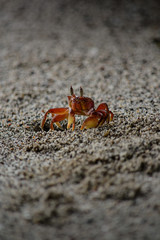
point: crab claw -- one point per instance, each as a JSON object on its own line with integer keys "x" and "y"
{"x": 90, "y": 122}
{"x": 98, "y": 117}
{"x": 103, "y": 107}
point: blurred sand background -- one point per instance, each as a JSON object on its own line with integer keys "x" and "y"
{"x": 80, "y": 185}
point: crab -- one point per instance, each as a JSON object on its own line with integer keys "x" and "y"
{"x": 79, "y": 106}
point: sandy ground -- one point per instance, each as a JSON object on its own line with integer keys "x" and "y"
{"x": 101, "y": 183}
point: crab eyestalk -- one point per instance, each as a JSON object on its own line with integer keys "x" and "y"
{"x": 71, "y": 90}
{"x": 81, "y": 91}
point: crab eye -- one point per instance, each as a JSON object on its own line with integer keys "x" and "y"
{"x": 71, "y": 90}
{"x": 81, "y": 91}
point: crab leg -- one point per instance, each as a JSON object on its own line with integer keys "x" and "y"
{"x": 103, "y": 118}
{"x": 57, "y": 118}
{"x": 71, "y": 121}
{"x": 57, "y": 123}
{"x": 61, "y": 112}
{"x": 111, "y": 115}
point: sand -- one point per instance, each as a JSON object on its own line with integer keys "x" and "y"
{"x": 101, "y": 183}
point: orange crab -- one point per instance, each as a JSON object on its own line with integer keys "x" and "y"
{"x": 80, "y": 106}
